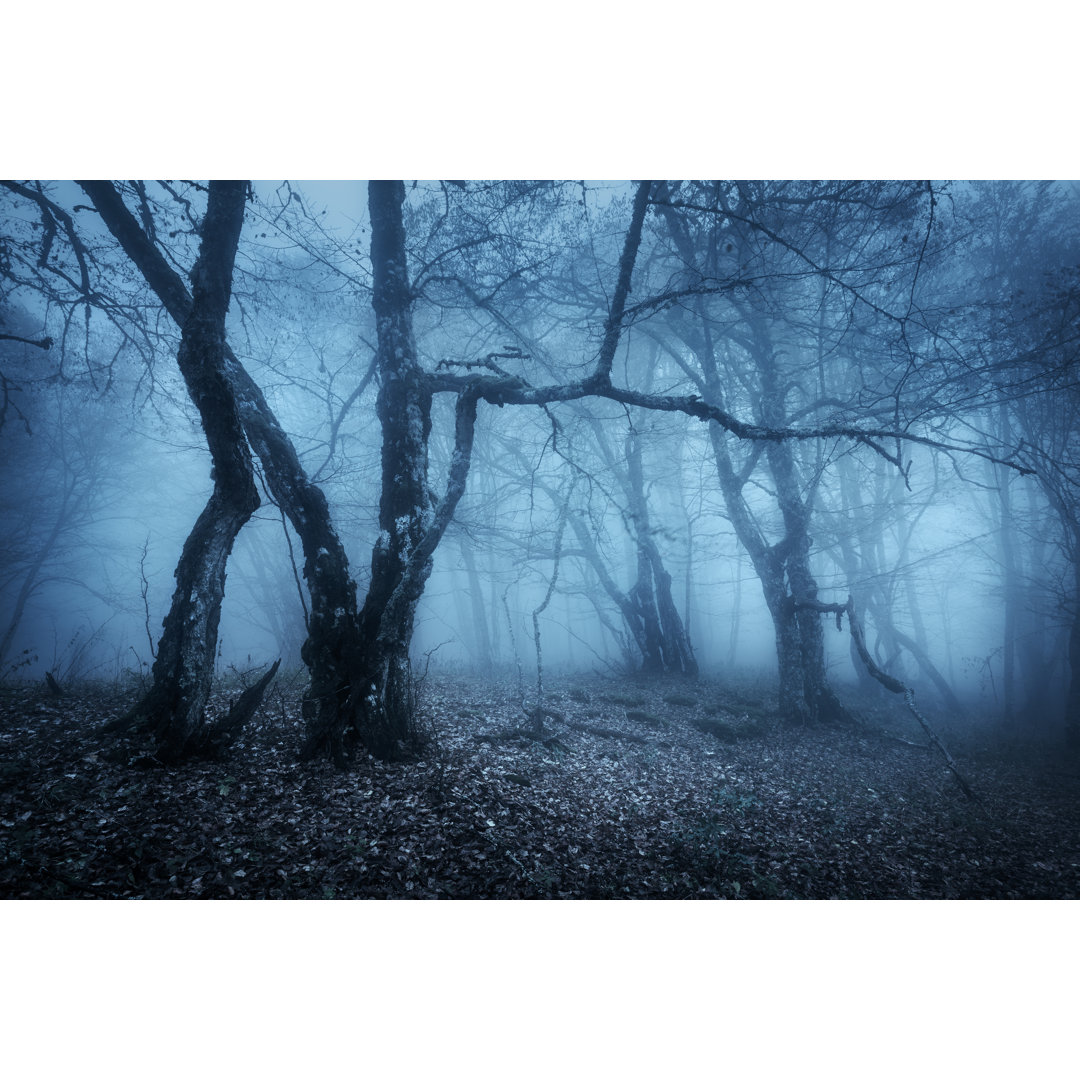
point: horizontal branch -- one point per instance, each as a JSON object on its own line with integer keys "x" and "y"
{"x": 45, "y": 343}
{"x": 512, "y": 390}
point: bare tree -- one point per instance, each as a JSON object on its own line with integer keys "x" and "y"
{"x": 174, "y": 708}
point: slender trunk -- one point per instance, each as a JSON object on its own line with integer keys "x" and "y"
{"x": 29, "y": 582}
{"x": 174, "y": 707}
{"x": 482, "y": 651}
{"x": 929, "y": 669}
{"x": 652, "y": 593}
{"x": 638, "y": 605}
{"x": 1010, "y": 579}
{"x": 331, "y": 646}
{"x": 736, "y": 616}
{"x": 1072, "y": 701}
{"x": 856, "y": 566}
{"x": 783, "y": 568}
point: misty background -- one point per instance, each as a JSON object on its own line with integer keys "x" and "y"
{"x": 948, "y": 310}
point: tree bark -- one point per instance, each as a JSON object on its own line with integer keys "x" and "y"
{"x": 378, "y": 706}
{"x": 483, "y": 653}
{"x": 174, "y": 707}
{"x": 331, "y": 646}
{"x": 404, "y": 411}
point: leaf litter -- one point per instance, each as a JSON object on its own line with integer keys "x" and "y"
{"x": 761, "y": 810}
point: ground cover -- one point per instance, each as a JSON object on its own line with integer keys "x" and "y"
{"x": 633, "y": 790}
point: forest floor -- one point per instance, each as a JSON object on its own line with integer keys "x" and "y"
{"x": 640, "y": 790}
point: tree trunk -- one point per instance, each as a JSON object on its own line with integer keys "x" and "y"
{"x": 332, "y": 644}
{"x": 1072, "y": 707}
{"x": 652, "y": 593}
{"x": 174, "y": 707}
{"x": 483, "y": 654}
{"x": 783, "y": 568}
{"x": 404, "y": 411}
{"x": 30, "y": 580}
{"x": 377, "y": 703}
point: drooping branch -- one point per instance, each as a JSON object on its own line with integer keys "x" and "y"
{"x": 45, "y": 343}
{"x": 894, "y": 686}
{"x": 515, "y": 391}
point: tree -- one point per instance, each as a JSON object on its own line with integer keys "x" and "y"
{"x": 174, "y": 708}
{"x": 329, "y": 649}
{"x": 732, "y": 363}
{"x": 735, "y": 346}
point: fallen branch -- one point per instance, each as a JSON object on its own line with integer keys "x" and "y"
{"x": 884, "y": 735}
{"x": 242, "y": 710}
{"x": 604, "y": 732}
{"x": 510, "y": 734}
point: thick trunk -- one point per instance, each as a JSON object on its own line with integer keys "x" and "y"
{"x": 791, "y": 696}
{"x": 377, "y": 705}
{"x": 404, "y": 411}
{"x": 174, "y": 707}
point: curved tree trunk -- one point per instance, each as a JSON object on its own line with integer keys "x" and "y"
{"x": 332, "y": 643}
{"x": 174, "y": 707}
{"x": 783, "y": 568}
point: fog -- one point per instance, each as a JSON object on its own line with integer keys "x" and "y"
{"x": 938, "y": 319}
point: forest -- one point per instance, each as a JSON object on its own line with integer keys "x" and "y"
{"x": 539, "y": 539}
